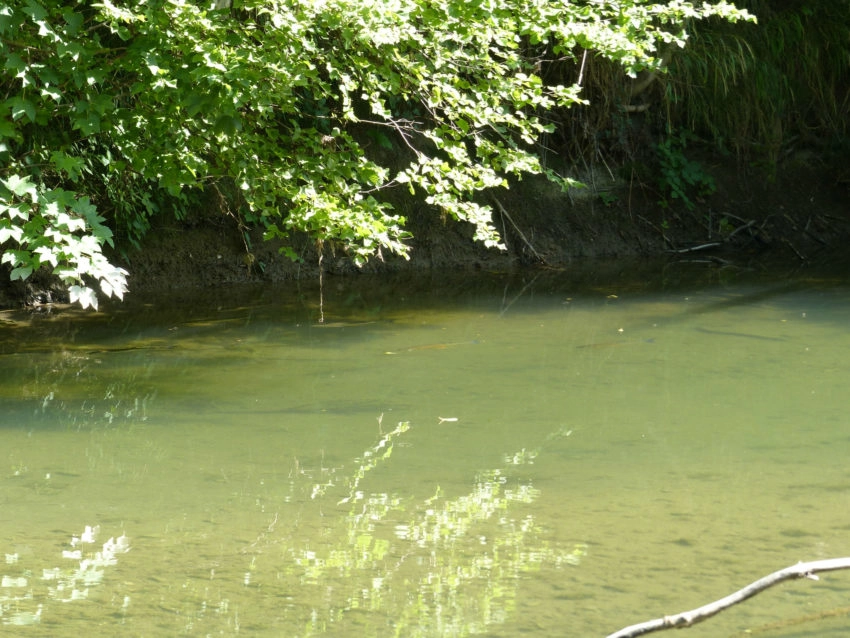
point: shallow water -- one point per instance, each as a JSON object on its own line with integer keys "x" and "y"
{"x": 534, "y": 455}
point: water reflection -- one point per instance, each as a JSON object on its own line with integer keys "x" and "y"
{"x": 511, "y": 456}
{"x": 82, "y": 568}
{"x": 436, "y": 567}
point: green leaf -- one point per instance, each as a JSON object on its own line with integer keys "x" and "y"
{"x": 15, "y": 62}
{"x": 8, "y": 129}
{"x": 228, "y": 125}
{"x": 20, "y": 186}
{"x": 70, "y": 165}
{"x": 20, "y": 107}
{"x": 83, "y": 295}
{"x": 35, "y": 11}
{"x": 87, "y": 124}
{"x": 21, "y": 272}
{"x": 13, "y": 232}
{"x": 74, "y": 21}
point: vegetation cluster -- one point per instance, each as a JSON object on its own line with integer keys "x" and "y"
{"x": 301, "y": 116}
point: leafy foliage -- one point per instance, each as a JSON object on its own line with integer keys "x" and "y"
{"x": 139, "y": 106}
{"x": 679, "y": 176}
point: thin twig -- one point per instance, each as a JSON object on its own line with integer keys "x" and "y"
{"x": 522, "y": 236}
{"x": 800, "y": 255}
{"x": 320, "y": 247}
{"x": 749, "y": 224}
{"x": 688, "y": 618}
{"x": 581, "y": 68}
{"x": 695, "y": 248}
{"x": 505, "y": 306}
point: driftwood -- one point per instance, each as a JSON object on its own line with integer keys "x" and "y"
{"x": 688, "y": 618}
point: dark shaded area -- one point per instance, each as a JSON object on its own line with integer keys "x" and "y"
{"x": 800, "y": 219}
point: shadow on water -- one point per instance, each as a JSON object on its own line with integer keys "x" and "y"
{"x": 540, "y": 453}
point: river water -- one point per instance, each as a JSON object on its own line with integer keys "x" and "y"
{"x": 540, "y": 454}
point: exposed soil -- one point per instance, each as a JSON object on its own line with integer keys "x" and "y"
{"x": 803, "y": 214}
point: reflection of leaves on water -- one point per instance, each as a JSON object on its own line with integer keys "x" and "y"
{"x": 442, "y": 566}
{"x": 18, "y": 594}
{"x": 77, "y": 392}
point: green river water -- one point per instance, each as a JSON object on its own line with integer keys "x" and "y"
{"x": 541, "y": 455}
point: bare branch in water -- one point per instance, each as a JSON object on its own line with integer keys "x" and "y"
{"x": 688, "y": 618}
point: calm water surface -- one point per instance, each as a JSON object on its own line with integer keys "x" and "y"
{"x": 539, "y": 455}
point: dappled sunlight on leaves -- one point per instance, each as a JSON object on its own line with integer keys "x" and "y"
{"x": 143, "y": 110}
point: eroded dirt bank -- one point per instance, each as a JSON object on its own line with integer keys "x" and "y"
{"x": 802, "y": 216}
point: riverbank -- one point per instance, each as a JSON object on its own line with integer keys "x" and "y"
{"x": 801, "y": 215}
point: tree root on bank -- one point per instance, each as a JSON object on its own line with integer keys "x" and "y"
{"x": 688, "y": 618}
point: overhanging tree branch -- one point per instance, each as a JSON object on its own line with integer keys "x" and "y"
{"x": 688, "y": 618}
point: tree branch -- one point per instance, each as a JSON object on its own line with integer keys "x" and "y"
{"x": 688, "y": 618}
{"x": 521, "y": 234}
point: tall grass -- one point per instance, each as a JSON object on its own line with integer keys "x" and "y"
{"x": 759, "y": 89}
